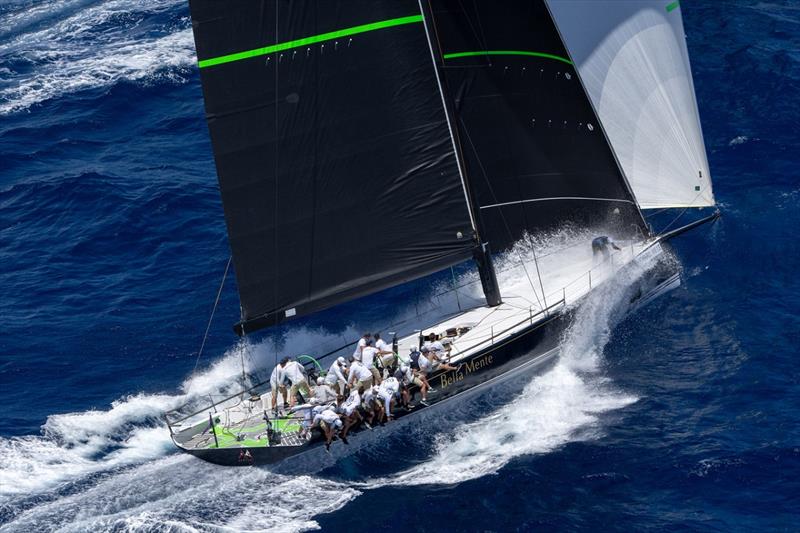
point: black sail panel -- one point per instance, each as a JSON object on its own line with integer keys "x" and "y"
{"x": 335, "y": 163}
{"x": 534, "y": 150}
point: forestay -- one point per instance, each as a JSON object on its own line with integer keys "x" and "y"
{"x": 633, "y": 61}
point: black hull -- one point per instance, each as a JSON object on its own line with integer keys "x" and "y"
{"x": 529, "y": 352}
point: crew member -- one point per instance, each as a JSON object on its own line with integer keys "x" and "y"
{"x": 386, "y": 354}
{"x": 337, "y": 375}
{"x": 370, "y": 406}
{"x": 294, "y": 372}
{"x": 324, "y": 393}
{"x": 349, "y": 410}
{"x": 407, "y": 377}
{"x": 368, "y": 354}
{"x": 386, "y": 393}
{"x": 362, "y": 342}
{"x": 601, "y": 245}
{"x": 329, "y": 421}
{"x": 360, "y": 376}
{"x": 276, "y": 384}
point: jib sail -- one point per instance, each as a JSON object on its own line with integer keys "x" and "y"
{"x": 634, "y": 62}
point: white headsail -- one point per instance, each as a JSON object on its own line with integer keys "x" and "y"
{"x": 633, "y": 61}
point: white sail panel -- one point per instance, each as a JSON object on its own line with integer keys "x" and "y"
{"x": 633, "y": 61}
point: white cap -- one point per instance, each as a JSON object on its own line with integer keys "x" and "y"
{"x": 342, "y": 360}
{"x": 404, "y": 368}
{"x": 320, "y": 380}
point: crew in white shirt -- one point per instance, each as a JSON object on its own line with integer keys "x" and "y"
{"x": 329, "y": 421}
{"x": 387, "y": 392}
{"x": 360, "y": 346}
{"x": 360, "y": 376}
{"x": 349, "y": 410}
{"x": 371, "y": 406}
{"x": 293, "y": 371}
{"x": 276, "y": 385}
{"x": 431, "y": 361}
{"x": 324, "y": 393}
{"x": 336, "y": 376}
{"x": 368, "y": 354}
{"x": 386, "y": 354}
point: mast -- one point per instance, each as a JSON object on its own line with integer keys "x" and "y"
{"x": 483, "y": 254}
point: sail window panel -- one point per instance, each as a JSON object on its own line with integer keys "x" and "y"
{"x": 633, "y": 59}
{"x": 336, "y": 166}
{"x": 534, "y": 151}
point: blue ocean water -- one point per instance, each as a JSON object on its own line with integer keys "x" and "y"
{"x": 112, "y": 245}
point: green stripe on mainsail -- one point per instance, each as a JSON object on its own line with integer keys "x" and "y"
{"x": 305, "y": 41}
{"x": 456, "y": 55}
{"x": 673, "y": 6}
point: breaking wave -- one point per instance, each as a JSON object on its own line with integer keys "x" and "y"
{"x": 54, "y": 50}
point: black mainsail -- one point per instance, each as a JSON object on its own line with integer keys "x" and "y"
{"x": 335, "y": 163}
{"x": 534, "y": 150}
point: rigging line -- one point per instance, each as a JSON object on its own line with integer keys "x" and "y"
{"x": 469, "y": 21}
{"x": 211, "y": 318}
{"x": 529, "y": 239}
{"x": 484, "y": 43}
{"x": 502, "y": 216}
{"x": 654, "y": 213}
{"x": 674, "y": 220}
{"x": 275, "y": 207}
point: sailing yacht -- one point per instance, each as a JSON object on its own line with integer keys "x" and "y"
{"x": 363, "y": 144}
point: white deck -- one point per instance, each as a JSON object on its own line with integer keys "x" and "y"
{"x": 567, "y": 275}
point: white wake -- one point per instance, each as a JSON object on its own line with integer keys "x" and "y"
{"x": 115, "y": 469}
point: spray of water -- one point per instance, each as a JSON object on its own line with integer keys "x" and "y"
{"x": 95, "y": 470}
{"x": 560, "y": 406}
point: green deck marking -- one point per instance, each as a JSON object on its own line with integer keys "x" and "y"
{"x": 673, "y": 6}
{"x": 313, "y": 39}
{"x": 456, "y": 55}
{"x": 227, "y": 438}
